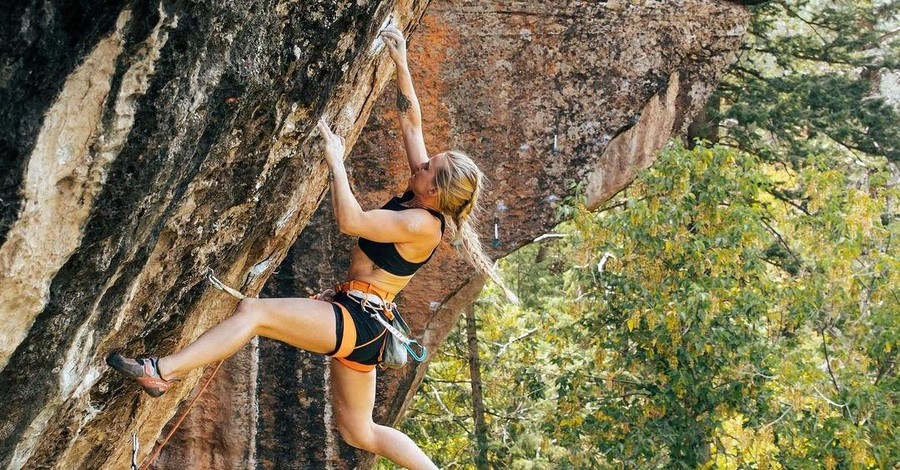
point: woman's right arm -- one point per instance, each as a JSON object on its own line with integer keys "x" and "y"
{"x": 407, "y": 102}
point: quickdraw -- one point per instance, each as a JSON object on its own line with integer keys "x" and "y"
{"x": 388, "y": 308}
{"x": 134, "y": 451}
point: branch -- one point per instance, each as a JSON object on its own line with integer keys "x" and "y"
{"x": 887, "y": 37}
{"x": 644, "y": 387}
{"x": 511, "y": 341}
{"x": 509, "y": 417}
{"x": 781, "y": 197}
{"x": 443, "y": 381}
{"x": 750, "y": 72}
{"x": 781, "y": 240}
{"x": 449, "y": 413}
{"x": 830, "y": 402}
{"x": 883, "y": 371}
{"x": 837, "y": 388}
{"x": 810, "y": 23}
{"x": 547, "y": 236}
{"x": 613, "y": 206}
{"x": 776, "y": 421}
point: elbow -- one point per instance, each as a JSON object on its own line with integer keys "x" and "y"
{"x": 343, "y": 225}
{"x": 348, "y": 225}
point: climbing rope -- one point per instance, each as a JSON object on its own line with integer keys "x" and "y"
{"x": 210, "y": 276}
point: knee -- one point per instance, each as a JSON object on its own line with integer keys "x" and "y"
{"x": 359, "y": 435}
{"x": 248, "y": 310}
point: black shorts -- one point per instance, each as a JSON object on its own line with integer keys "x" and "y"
{"x": 360, "y": 339}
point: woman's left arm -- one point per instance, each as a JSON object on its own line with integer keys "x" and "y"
{"x": 376, "y": 225}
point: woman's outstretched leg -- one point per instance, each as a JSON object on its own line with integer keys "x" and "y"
{"x": 354, "y": 398}
{"x": 304, "y": 323}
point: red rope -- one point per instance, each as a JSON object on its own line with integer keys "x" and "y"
{"x": 153, "y": 455}
{"x": 210, "y": 276}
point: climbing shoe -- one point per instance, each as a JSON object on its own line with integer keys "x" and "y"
{"x": 144, "y": 370}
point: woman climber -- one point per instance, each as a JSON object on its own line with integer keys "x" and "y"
{"x": 394, "y": 242}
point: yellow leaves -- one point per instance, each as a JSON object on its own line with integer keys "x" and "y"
{"x": 673, "y": 363}
{"x": 599, "y": 357}
{"x": 815, "y": 200}
{"x": 662, "y": 379}
{"x": 672, "y": 322}
{"x": 672, "y": 325}
{"x": 634, "y": 321}
{"x": 651, "y": 320}
{"x": 653, "y": 411}
{"x": 668, "y": 247}
{"x": 572, "y": 422}
{"x": 859, "y": 453}
{"x": 754, "y": 448}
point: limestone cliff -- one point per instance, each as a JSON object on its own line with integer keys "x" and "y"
{"x": 142, "y": 143}
{"x": 547, "y": 95}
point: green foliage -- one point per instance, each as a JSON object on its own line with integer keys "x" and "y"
{"x": 687, "y": 327}
{"x": 809, "y": 80}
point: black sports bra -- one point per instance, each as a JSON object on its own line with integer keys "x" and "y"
{"x": 385, "y": 255}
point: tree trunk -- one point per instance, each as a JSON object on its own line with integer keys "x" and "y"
{"x": 481, "y": 461}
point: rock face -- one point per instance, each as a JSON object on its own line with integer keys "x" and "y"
{"x": 144, "y": 142}
{"x": 547, "y": 96}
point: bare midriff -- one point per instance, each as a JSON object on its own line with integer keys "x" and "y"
{"x": 363, "y": 269}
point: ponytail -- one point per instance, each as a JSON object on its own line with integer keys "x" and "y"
{"x": 459, "y": 184}
{"x": 468, "y": 244}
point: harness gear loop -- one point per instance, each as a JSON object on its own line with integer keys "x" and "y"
{"x": 408, "y": 343}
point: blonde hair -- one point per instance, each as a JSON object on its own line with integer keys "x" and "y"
{"x": 459, "y": 184}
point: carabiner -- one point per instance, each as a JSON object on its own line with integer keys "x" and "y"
{"x": 418, "y": 357}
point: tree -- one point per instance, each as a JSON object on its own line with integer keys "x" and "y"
{"x": 809, "y": 79}
{"x": 698, "y": 321}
